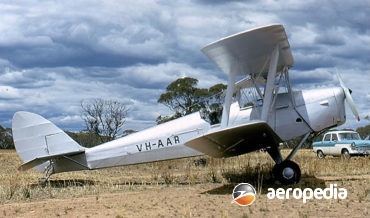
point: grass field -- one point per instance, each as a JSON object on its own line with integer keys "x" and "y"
{"x": 182, "y": 189}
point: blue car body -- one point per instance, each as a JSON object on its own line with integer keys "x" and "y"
{"x": 344, "y": 142}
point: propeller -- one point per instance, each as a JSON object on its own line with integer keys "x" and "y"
{"x": 349, "y": 99}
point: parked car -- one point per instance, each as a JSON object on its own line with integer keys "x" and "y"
{"x": 344, "y": 143}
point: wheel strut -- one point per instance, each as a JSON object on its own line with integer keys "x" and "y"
{"x": 286, "y": 171}
{"x": 295, "y": 149}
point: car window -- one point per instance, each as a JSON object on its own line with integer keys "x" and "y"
{"x": 349, "y": 136}
{"x": 334, "y": 137}
{"x": 327, "y": 137}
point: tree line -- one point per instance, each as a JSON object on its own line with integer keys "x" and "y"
{"x": 104, "y": 119}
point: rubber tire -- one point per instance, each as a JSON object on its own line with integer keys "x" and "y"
{"x": 320, "y": 154}
{"x": 345, "y": 154}
{"x": 278, "y": 172}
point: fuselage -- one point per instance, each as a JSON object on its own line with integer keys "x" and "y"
{"x": 292, "y": 115}
{"x": 162, "y": 142}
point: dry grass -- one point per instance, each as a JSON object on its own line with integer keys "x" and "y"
{"x": 254, "y": 168}
{"x": 179, "y": 188}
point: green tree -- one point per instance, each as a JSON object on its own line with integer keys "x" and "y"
{"x": 364, "y": 131}
{"x": 6, "y": 138}
{"x": 85, "y": 139}
{"x": 183, "y": 97}
{"x": 214, "y": 103}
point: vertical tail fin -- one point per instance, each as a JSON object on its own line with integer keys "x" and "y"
{"x": 39, "y": 141}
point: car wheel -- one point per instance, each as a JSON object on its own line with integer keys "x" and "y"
{"x": 345, "y": 154}
{"x": 320, "y": 154}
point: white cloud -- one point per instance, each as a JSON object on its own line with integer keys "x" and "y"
{"x": 54, "y": 54}
{"x": 8, "y": 92}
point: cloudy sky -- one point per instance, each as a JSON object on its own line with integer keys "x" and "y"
{"x": 53, "y": 54}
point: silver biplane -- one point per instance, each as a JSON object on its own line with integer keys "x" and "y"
{"x": 260, "y": 112}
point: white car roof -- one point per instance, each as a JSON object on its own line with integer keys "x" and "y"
{"x": 342, "y": 131}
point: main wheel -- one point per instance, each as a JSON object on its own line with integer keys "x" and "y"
{"x": 287, "y": 172}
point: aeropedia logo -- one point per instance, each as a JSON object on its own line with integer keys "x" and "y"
{"x": 244, "y": 194}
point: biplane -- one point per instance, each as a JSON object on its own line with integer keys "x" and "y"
{"x": 260, "y": 112}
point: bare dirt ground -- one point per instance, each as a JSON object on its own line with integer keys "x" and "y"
{"x": 187, "y": 192}
{"x": 203, "y": 200}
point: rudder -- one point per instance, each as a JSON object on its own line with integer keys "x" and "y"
{"x": 37, "y": 140}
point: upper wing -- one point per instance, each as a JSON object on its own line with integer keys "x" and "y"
{"x": 249, "y": 52}
{"x": 236, "y": 140}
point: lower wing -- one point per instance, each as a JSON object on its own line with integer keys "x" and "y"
{"x": 236, "y": 140}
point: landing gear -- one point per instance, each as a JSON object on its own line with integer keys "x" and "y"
{"x": 287, "y": 172}
{"x": 49, "y": 170}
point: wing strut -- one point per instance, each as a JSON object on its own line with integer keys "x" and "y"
{"x": 228, "y": 100}
{"x": 267, "y": 100}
